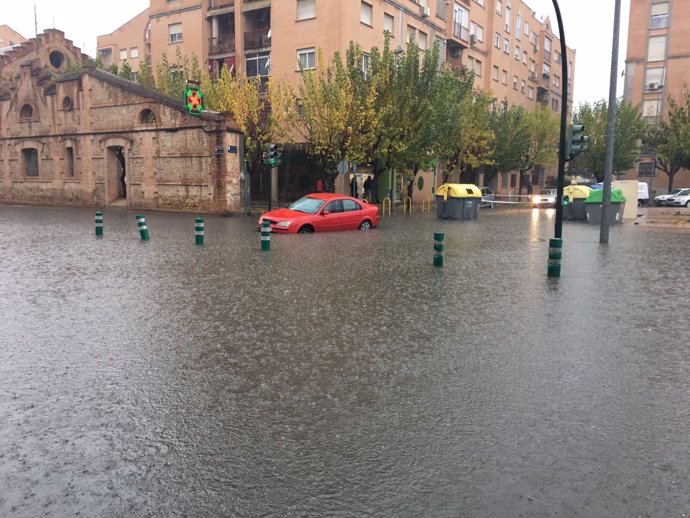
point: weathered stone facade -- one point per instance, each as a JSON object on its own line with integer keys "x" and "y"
{"x": 91, "y": 138}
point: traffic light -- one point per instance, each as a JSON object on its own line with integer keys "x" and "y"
{"x": 273, "y": 154}
{"x": 193, "y": 99}
{"x": 577, "y": 141}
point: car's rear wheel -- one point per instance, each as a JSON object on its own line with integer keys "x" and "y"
{"x": 365, "y": 225}
{"x": 306, "y": 229}
{"x": 687, "y": 203}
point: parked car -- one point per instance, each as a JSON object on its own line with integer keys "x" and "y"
{"x": 488, "y": 198}
{"x": 679, "y": 200}
{"x": 322, "y": 212}
{"x": 545, "y": 198}
{"x": 642, "y": 193}
{"x": 663, "y": 198}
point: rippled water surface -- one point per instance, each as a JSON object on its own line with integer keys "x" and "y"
{"x": 341, "y": 374}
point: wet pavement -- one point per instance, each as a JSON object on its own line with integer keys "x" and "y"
{"x": 341, "y": 374}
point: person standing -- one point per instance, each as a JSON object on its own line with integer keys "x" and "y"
{"x": 367, "y": 189}
{"x": 319, "y": 184}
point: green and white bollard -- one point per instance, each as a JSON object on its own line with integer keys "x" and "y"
{"x": 438, "y": 248}
{"x": 554, "y": 267}
{"x": 143, "y": 229}
{"x": 265, "y": 235}
{"x": 199, "y": 231}
{"x": 99, "y": 223}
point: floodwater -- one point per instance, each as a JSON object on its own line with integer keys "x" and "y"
{"x": 341, "y": 374}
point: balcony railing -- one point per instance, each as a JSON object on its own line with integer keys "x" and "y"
{"x": 221, "y": 45}
{"x": 220, "y": 4}
{"x": 461, "y": 32}
{"x": 257, "y": 39}
{"x": 658, "y": 21}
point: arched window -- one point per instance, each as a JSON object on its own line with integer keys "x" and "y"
{"x": 26, "y": 113}
{"x": 56, "y": 59}
{"x": 147, "y": 117}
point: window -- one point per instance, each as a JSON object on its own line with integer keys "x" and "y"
{"x": 656, "y": 48}
{"x": 555, "y": 104}
{"x": 477, "y": 30}
{"x": 546, "y": 70}
{"x": 526, "y": 28}
{"x": 654, "y": 78}
{"x": 388, "y": 23}
{"x": 479, "y": 2}
{"x": 475, "y": 65}
{"x": 547, "y": 49}
{"x": 423, "y": 39}
{"x": 411, "y": 33}
{"x": 557, "y": 57}
{"x": 499, "y": 7}
{"x": 530, "y": 92}
{"x": 523, "y": 86}
{"x": 518, "y": 26}
{"x": 147, "y": 117}
{"x": 556, "y": 80}
{"x": 497, "y": 40}
{"x": 306, "y": 9}
{"x": 26, "y": 113}
{"x": 69, "y": 161}
{"x": 365, "y": 65}
{"x": 175, "y": 33}
{"x": 258, "y": 64}
{"x": 306, "y": 59}
{"x": 461, "y": 22}
{"x": 504, "y": 77}
{"x": 349, "y": 205}
{"x": 366, "y": 14}
{"x": 494, "y": 73}
{"x": 659, "y": 16}
{"x": 507, "y": 20}
{"x": 123, "y": 54}
{"x": 134, "y": 52}
{"x": 506, "y": 46}
{"x": 517, "y": 53}
{"x": 651, "y": 109}
{"x": 515, "y": 82}
{"x": 524, "y": 57}
{"x": 30, "y": 160}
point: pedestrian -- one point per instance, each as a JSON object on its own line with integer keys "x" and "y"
{"x": 529, "y": 189}
{"x": 367, "y": 189}
{"x": 410, "y": 187}
{"x": 353, "y": 186}
{"x": 319, "y": 184}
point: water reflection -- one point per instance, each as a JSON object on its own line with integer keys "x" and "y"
{"x": 340, "y": 374}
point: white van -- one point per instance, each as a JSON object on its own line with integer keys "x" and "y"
{"x": 642, "y": 193}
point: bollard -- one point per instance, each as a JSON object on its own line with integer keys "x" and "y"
{"x": 554, "y": 267}
{"x": 143, "y": 229}
{"x": 199, "y": 231}
{"x": 99, "y": 223}
{"x": 438, "y": 249}
{"x": 265, "y": 235}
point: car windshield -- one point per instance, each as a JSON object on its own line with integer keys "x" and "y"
{"x": 307, "y": 204}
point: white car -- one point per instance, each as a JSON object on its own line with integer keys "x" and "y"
{"x": 545, "y": 198}
{"x": 679, "y": 200}
{"x": 488, "y": 198}
{"x": 663, "y": 198}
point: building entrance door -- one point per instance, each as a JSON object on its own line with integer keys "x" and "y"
{"x": 116, "y": 174}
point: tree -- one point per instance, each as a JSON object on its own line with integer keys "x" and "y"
{"x": 543, "y": 130}
{"x": 512, "y": 140}
{"x": 670, "y": 138}
{"x": 629, "y": 129}
{"x": 126, "y": 72}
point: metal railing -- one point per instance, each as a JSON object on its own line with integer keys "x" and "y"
{"x": 257, "y": 38}
{"x": 658, "y": 21}
{"x": 221, "y": 45}
{"x": 220, "y": 4}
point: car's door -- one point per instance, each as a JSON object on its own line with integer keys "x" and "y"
{"x": 352, "y": 215}
{"x": 331, "y": 216}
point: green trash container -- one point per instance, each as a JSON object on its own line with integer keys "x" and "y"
{"x": 594, "y": 204}
{"x": 576, "y": 194}
{"x": 458, "y": 201}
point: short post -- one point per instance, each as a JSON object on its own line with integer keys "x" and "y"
{"x": 143, "y": 229}
{"x": 99, "y": 223}
{"x": 265, "y": 236}
{"x": 438, "y": 248}
{"x": 199, "y": 231}
{"x": 554, "y": 266}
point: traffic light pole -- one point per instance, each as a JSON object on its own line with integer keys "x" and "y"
{"x": 556, "y": 244}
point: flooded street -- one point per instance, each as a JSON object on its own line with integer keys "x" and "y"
{"x": 341, "y": 374}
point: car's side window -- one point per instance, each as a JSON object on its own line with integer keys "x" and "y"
{"x": 349, "y": 205}
{"x": 335, "y": 206}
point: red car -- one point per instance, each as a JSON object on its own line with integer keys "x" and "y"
{"x": 322, "y": 212}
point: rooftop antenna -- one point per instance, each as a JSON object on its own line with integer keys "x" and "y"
{"x": 35, "y": 22}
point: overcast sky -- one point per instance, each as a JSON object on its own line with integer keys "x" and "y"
{"x": 588, "y": 27}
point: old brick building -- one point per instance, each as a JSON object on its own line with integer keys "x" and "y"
{"x": 76, "y": 135}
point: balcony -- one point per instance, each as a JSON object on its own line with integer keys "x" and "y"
{"x": 221, "y": 45}
{"x": 220, "y": 4}
{"x": 257, "y": 39}
{"x": 658, "y": 21}
{"x": 460, "y": 32}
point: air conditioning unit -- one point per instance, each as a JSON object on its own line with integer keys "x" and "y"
{"x": 426, "y": 11}
{"x": 653, "y": 86}
{"x": 473, "y": 39}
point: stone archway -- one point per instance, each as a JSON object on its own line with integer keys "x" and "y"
{"x": 116, "y": 171}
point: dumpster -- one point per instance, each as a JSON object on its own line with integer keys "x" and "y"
{"x": 458, "y": 201}
{"x": 575, "y": 195}
{"x": 593, "y": 206}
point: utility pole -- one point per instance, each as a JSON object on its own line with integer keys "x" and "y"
{"x": 610, "y": 129}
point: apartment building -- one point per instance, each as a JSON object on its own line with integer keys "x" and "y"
{"x": 513, "y": 54}
{"x": 9, "y": 37}
{"x": 657, "y": 65}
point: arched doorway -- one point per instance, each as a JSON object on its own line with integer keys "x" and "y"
{"x": 116, "y": 174}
